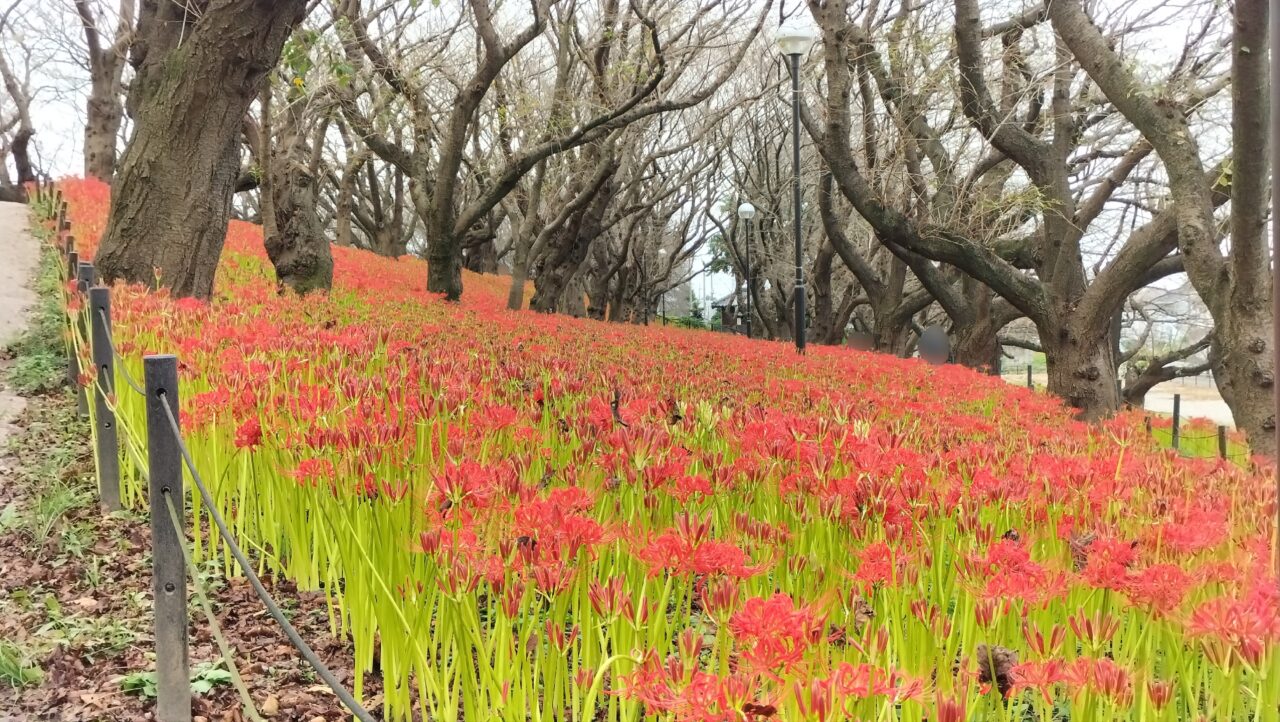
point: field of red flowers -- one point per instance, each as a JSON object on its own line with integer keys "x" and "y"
{"x": 527, "y": 517}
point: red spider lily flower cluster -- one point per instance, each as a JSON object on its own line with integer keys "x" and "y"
{"x": 520, "y": 516}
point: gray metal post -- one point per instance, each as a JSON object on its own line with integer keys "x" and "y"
{"x": 1274, "y": 31}
{"x": 169, "y": 578}
{"x": 71, "y": 244}
{"x": 799, "y": 292}
{"x": 73, "y": 362}
{"x": 62, "y": 214}
{"x": 1222, "y": 442}
{"x": 747, "y": 245}
{"x": 107, "y": 443}
{"x": 1030, "y": 384}
{"x": 1177, "y": 412}
{"x": 86, "y": 277}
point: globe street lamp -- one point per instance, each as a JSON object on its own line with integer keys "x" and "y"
{"x": 746, "y": 212}
{"x": 795, "y": 38}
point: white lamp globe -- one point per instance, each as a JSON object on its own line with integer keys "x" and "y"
{"x": 796, "y": 36}
{"x": 746, "y": 211}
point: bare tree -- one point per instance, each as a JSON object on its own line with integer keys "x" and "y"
{"x": 1071, "y": 310}
{"x": 436, "y": 157}
{"x": 199, "y": 66}
{"x": 105, "y": 108}
{"x": 1236, "y": 286}
{"x": 16, "y": 128}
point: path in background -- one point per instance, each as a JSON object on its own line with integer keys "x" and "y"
{"x": 19, "y": 254}
{"x": 1200, "y": 397}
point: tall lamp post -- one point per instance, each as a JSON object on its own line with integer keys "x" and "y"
{"x": 746, "y": 212}
{"x": 663, "y": 300}
{"x": 1274, "y": 22}
{"x": 795, "y": 39}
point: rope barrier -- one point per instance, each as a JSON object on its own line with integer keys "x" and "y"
{"x": 124, "y": 370}
{"x": 207, "y": 608}
{"x": 294, "y": 638}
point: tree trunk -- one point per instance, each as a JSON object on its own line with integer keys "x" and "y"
{"x": 104, "y": 113}
{"x": 519, "y": 274}
{"x": 892, "y": 331}
{"x": 21, "y": 149}
{"x": 444, "y": 257}
{"x": 1082, "y": 370}
{"x": 294, "y": 238}
{"x": 1245, "y": 374}
{"x": 977, "y": 346}
{"x": 197, "y": 75}
{"x": 824, "y": 310}
{"x": 566, "y": 256}
{"x": 481, "y": 256}
{"x": 976, "y": 332}
{"x": 1243, "y": 322}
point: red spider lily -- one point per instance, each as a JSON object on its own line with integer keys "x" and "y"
{"x": 1160, "y": 588}
{"x": 1038, "y": 676}
{"x": 774, "y": 633}
{"x": 1096, "y": 629}
{"x": 951, "y": 709}
{"x": 536, "y": 467}
{"x": 249, "y": 434}
{"x": 1160, "y": 692}
{"x": 1245, "y": 626}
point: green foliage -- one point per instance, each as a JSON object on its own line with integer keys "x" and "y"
{"x": 203, "y": 679}
{"x": 91, "y": 635}
{"x": 40, "y": 355}
{"x": 687, "y": 322}
{"x": 142, "y": 684}
{"x": 16, "y": 669}
{"x": 721, "y": 255}
{"x": 207, "y": 676}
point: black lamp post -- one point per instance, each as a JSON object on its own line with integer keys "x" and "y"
{"x": 795, "y": 39}
{"x": 663, "y": 300}
{"x": 746, "y": 212}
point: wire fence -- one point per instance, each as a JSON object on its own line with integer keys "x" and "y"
{"x": 1188, "y": 441}
{"x": 166, "y": 454}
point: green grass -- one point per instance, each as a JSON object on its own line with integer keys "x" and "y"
{"x": 39, "y": 365}
{"x": 16, "y": 670}
{"x": 1199, "y": 443}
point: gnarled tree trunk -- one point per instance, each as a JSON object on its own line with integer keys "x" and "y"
{"x": 1082, "y": 369}
{"x": 293, "y": 236}
{"x": 197, "y": 74}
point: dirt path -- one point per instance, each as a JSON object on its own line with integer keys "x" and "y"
{"x": 19, "y": 255}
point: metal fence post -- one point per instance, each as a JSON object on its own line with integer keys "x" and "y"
{"x": 71, "y": 244}
{"x": 1030, "y": 383}
{"x": 73, "y": 361}
{"x": 1177, "y": 412}
{"x": 62, "y": 214}
{"x": 104, "y": 361}
{"x": 86, "y": 277}
{"x": 1222, "y": 442}
{"x": 169, "y": 577}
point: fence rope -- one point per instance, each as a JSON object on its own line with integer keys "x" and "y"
{"x": 294, "y": 638}
{"x": 124, "y": 369}
{"x": 215, "y": 628}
